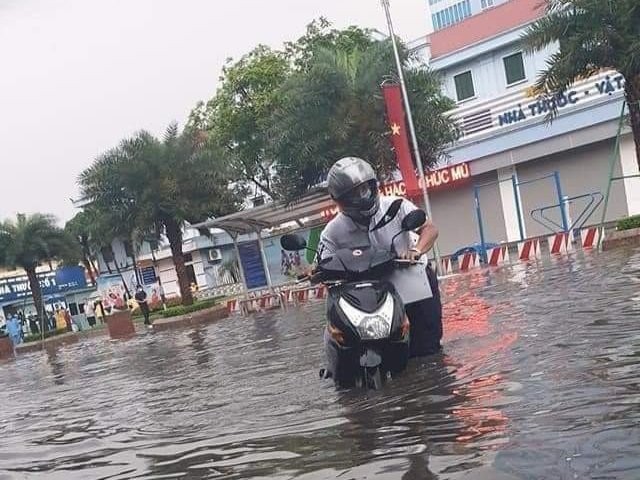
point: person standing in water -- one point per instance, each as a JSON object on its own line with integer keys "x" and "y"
{"x": 141, "y": 298}
{"x": 14, "y": 330}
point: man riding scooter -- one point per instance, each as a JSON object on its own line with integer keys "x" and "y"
{"x": 366, "y": 219}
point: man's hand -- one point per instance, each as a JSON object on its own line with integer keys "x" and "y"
{"x": 412, "y": 254}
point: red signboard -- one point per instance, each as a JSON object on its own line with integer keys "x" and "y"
{"x": 396, "y": 119}
{"x": 443, "y": 178}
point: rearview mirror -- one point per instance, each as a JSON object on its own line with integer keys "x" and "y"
{"x": 413, "y": 220}
{"x": 293, "y": 242}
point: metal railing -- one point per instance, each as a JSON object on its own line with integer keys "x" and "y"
{"x": 595, "y": 199}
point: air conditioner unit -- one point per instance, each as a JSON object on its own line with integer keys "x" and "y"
{"x": 215, "y": 255}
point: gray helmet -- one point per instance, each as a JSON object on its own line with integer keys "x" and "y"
{"x": 353, "y": 184}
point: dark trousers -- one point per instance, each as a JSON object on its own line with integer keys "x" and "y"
{"x": 426, "y": 321}
{"x": 144, "y": 308}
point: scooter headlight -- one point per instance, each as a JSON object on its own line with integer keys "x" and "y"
{"x": 370, "y": 326}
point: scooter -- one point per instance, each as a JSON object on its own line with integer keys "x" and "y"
{"x": 367, "y": 332}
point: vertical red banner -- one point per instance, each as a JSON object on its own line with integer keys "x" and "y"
{"x": 398, "y": 125}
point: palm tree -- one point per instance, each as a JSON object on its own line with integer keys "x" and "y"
{"x": 151, "y": 185}
{"x": 30, "y": 240}
{"x": 592, "y": 35}
{"x": 95, "y": 231}
{"x": 335, "y": 108}
{"x": 81, "y": 228}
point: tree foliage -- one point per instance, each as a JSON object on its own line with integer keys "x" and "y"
{"x": 335, "y": 109}
{"x": 147, "y": 184}
{"x": 592, "y": 35}
{"x": 284, "y": 116}
{"x": 31, "y": 240}
{"x": 237, "y": 116}
{"x": 321, "y": 36}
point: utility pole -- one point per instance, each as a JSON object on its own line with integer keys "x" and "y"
{"x": 412, "y": 130}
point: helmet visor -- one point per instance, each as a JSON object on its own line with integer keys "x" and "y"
{"x": 362, "y": 194}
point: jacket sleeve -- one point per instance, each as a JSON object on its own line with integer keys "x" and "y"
{"x": 327, "y": 246}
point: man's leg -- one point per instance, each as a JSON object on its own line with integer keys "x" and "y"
{"x": 145, "y": 313}
{"x": 426, "y": 327}
{"x": 426, "y": 321}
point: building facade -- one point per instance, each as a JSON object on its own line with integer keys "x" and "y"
{"x": 445, "y": 13}
{"x": 523, "y": 167}
{"x": 511, "y": 175}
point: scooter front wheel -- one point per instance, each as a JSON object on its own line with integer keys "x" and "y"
{"x": 373, "y": 378}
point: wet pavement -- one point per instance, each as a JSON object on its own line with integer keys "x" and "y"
{"x": 539, "y": 379}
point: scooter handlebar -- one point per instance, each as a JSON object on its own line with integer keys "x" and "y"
{"x": 405, "y": 261}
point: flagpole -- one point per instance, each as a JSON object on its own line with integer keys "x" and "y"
{"x": 412, "y": 130}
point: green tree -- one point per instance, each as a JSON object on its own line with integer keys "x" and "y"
{"x": 335, "y": 108}
{"x": 83, "y": 228}
{"x": 320, "y": 35}
{"x": 95, "y": 230}
{"x": 592, "y": 35}
{"x": 31, "y": 240}
{"x": 237, "y": 117}
{"x": 151, "y": 185}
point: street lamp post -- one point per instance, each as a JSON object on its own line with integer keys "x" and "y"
{"x": 412, "y": 130}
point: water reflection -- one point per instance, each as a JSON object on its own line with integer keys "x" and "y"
{"x": 538, "y": 380}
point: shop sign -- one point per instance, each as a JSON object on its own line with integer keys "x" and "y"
{"x": 560, "y": 101}
{"x": 448, "y": 177}
{"x": 51, "y": 283}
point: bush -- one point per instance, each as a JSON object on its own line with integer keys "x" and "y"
{"x": 38, "y": 336}
{"x": 629, "y": 223}
{"x": 183, "y": 310}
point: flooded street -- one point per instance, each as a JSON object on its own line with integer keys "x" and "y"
{"x": 539, "y": 379}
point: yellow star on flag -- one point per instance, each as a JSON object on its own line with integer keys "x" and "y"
{"x": 395, "y": 129}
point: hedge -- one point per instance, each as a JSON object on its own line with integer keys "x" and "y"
{"x": 183, "y": 310}
{"x": 629, "y": 223}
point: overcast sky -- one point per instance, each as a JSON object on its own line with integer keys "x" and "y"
{"x": 76, "y": 76}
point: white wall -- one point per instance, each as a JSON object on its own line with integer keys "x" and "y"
{"x": 488, "y": 73}
{"x": 119, "y": 255}
{"x": 199, "y": 263}
{"x": 167, "y": 274}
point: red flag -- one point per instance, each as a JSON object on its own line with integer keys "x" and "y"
{"x": 398, "y": 125}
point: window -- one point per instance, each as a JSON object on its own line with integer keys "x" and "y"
{"x": 514, "y": 68}
{"x": 486, "y": 3}
{"x": 188, "y": 258}
{"x": 464, "y": 86}
{"x": 467, "y": 8}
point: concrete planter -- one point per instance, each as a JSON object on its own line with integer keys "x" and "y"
{"x": 51, "y": 342}
{"x": 202, "y": 317}
{"x": 6, "y": 348}
{"x": 120, "y": 325}
{"x": 622, "y": 238}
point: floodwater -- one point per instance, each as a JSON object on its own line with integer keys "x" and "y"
{"x": 540, "y": 379}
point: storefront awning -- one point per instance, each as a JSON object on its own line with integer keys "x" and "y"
{"x": 271, "y": 215}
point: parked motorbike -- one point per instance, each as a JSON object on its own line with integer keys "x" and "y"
{"x": 367, "y": 332}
